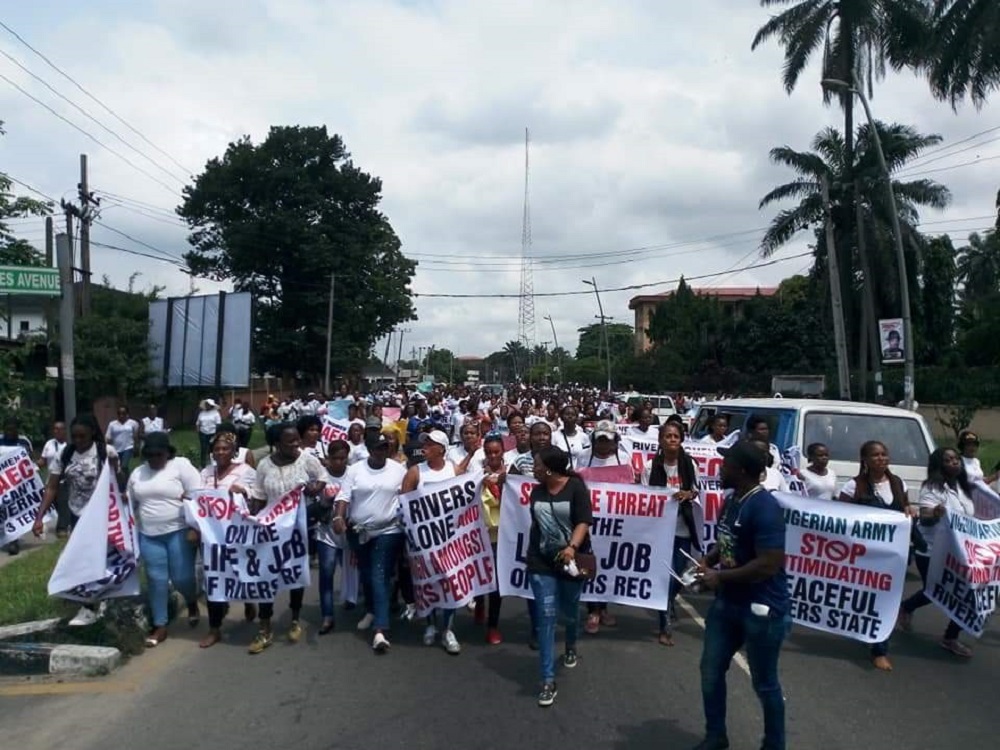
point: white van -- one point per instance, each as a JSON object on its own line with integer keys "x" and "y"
{"x": 843, "y": 426}
{"x": 663, "y": 405}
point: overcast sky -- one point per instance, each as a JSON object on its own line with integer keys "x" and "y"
{"x": 650, "y": 124}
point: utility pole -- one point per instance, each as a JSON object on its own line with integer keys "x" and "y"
{"x": 86, "y": 217}
{"x": 64, "y": 252}
{"x": 604, "y": 326}
{"x": 399, "y": 351}
{"x": 869, "y": 334}
{"x": 329, "y": 335}
{"x": 555, "y": 339}
{"x": 839, "y": 339}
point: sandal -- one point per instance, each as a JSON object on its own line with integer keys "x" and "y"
{"x": 213, "y": 637}
{"x": 156, "y": 637}
{"x": 956, "y": 647}
{"x": 665, "y": 639}
{"x": 593, "y": 624}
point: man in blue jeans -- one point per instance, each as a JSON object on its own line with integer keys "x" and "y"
{"x": 751, "y": 604}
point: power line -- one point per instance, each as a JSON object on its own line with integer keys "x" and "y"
{"x": 89, "y": 116}
{"x": 128, "y": 236}
{"x": 176, "y": 263}
{"x": 104, "y": 106}
{"x": 25, "y": 185}
{"x": 630, "y": 287}
{"x": 970, "y": 163}
{"x": 950, "y": 146}
{"x": 141, "y": 204}
{"x": 88, "y": 135}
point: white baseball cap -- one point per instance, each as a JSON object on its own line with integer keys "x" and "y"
{"x": 435, "y": 436}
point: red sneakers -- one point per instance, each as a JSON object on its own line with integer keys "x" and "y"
{"x": 493, "y": 637}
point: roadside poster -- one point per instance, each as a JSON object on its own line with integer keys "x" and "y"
{"x": 893, "y": 342}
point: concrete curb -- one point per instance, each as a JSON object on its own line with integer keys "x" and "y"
{"x": 27, "y": 628}
{"x": 57, "y": 659}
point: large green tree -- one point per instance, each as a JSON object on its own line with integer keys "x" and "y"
{"x": 278, "y": 218}
{"x": 621, "y": 341}
{"x": 934, "y": 320}
{"x": 14, "y": 251}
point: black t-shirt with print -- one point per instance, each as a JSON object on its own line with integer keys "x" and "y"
{"x": 553, "y": 518}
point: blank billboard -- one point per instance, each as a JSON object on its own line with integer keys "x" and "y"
{"x": 185, "y": 335}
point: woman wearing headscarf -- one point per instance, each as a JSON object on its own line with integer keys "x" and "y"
{"x": 877, "y": 486}
{"x": 157, "y": 489}
{"x": 238, "y": 478}
{"x": 561, "y": 515}
{"x": 946, "y": 488}
{"x": 673, "y": 468}
{"x": 284, "y": 470}
{"x": 78, "y": 466}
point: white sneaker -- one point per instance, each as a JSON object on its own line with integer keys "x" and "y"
{"x": 450, "y": 643}
{"x": 430, "y": 635}
{"x": 87, "y": 616}
{"x": 409, "y": 612}
{"x": 366, "y": 622}
{"x": 380, "y": 644}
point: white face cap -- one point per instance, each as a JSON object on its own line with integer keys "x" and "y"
{"x": 435, "y": 436}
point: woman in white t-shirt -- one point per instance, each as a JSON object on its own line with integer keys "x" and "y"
{"x": 123, "y": 435}
{"x": 968, "y": 446}
{"x": 226, "y": 474}
{"x": 208, "y": 419}
{"x": 369, "y": 495}
{"x": 945, "y": 489}
{"x": 157, "y": 489}
{"x": 819, "y": 479}
{"x": 51, "y": 451}
{"x": 570, "y": 437}
{"x": 470, "y": 443}
{"x": 286, "y": 469}
{"x": 77, "y": 468}
{"x": 877, "y": 486}
{"x": 331, "y": 545}
{"x": 643, "y": 428}
{"x": 153, "y": 422}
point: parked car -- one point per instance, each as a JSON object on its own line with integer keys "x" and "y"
{"x": 841, "y": 425}
{"x": 663, "y": 405}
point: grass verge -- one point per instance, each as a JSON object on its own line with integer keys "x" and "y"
{"x": 24, "y": 592}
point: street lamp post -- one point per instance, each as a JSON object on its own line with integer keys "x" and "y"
{"x": 556, "y": 340}
{"x": 604, "y": 326}
{"x": 897, "y": 234}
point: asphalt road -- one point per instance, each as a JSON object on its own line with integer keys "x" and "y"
{"x": 627, "y": 692}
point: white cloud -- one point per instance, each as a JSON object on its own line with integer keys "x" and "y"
{"x": 651, "y": 124}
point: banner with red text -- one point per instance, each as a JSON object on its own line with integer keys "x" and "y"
{"x": 333, "y": 429}
{"x": 632, "y": 536}
{"x": 964, "y": 574}
{"x": 846, "y": 566}
{"x": 21, "y": 491}
{"x": 101, "y": 558}
{"x": 245, "y": 557}
{"x": 448, "y": 543}
{"x": 641, "y": 449}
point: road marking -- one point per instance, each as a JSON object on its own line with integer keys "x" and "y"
{"x": 739, "y": 658}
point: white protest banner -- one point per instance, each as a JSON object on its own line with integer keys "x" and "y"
{"x": 985, "y": 501}
{"x": 846, "y": 566}
{"x": 708, "y": 461}
{"x": 101, "y": 558}
{"x": 448, "y": 544}
{"x": 964, "y": 574}
{"x": 250, "y": 558}
{"x": 333, "y": 429}
{"x": 632, "y": 536}
{"x": 21, "y": 491}
{"x": 642, "y": 450}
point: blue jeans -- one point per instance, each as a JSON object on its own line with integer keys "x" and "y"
{"x": 377, "y": 561}
{"x": 329, "y": 558}
{"x": 124, "y": 460}
{"x": 169, "y": 558}
{"x": 678, "y": 563}
{"x": 727, "y": 628}
{"x": 553, "y": 597}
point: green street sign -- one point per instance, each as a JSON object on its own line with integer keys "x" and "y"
{"x": 29, "y": 280}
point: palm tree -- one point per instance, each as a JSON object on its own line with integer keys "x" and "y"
{"x": 979, "y": 267}
{"x": 964, "y": 58}
{"x": 829, "y": 160}
{"x": 518, "y": 354}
